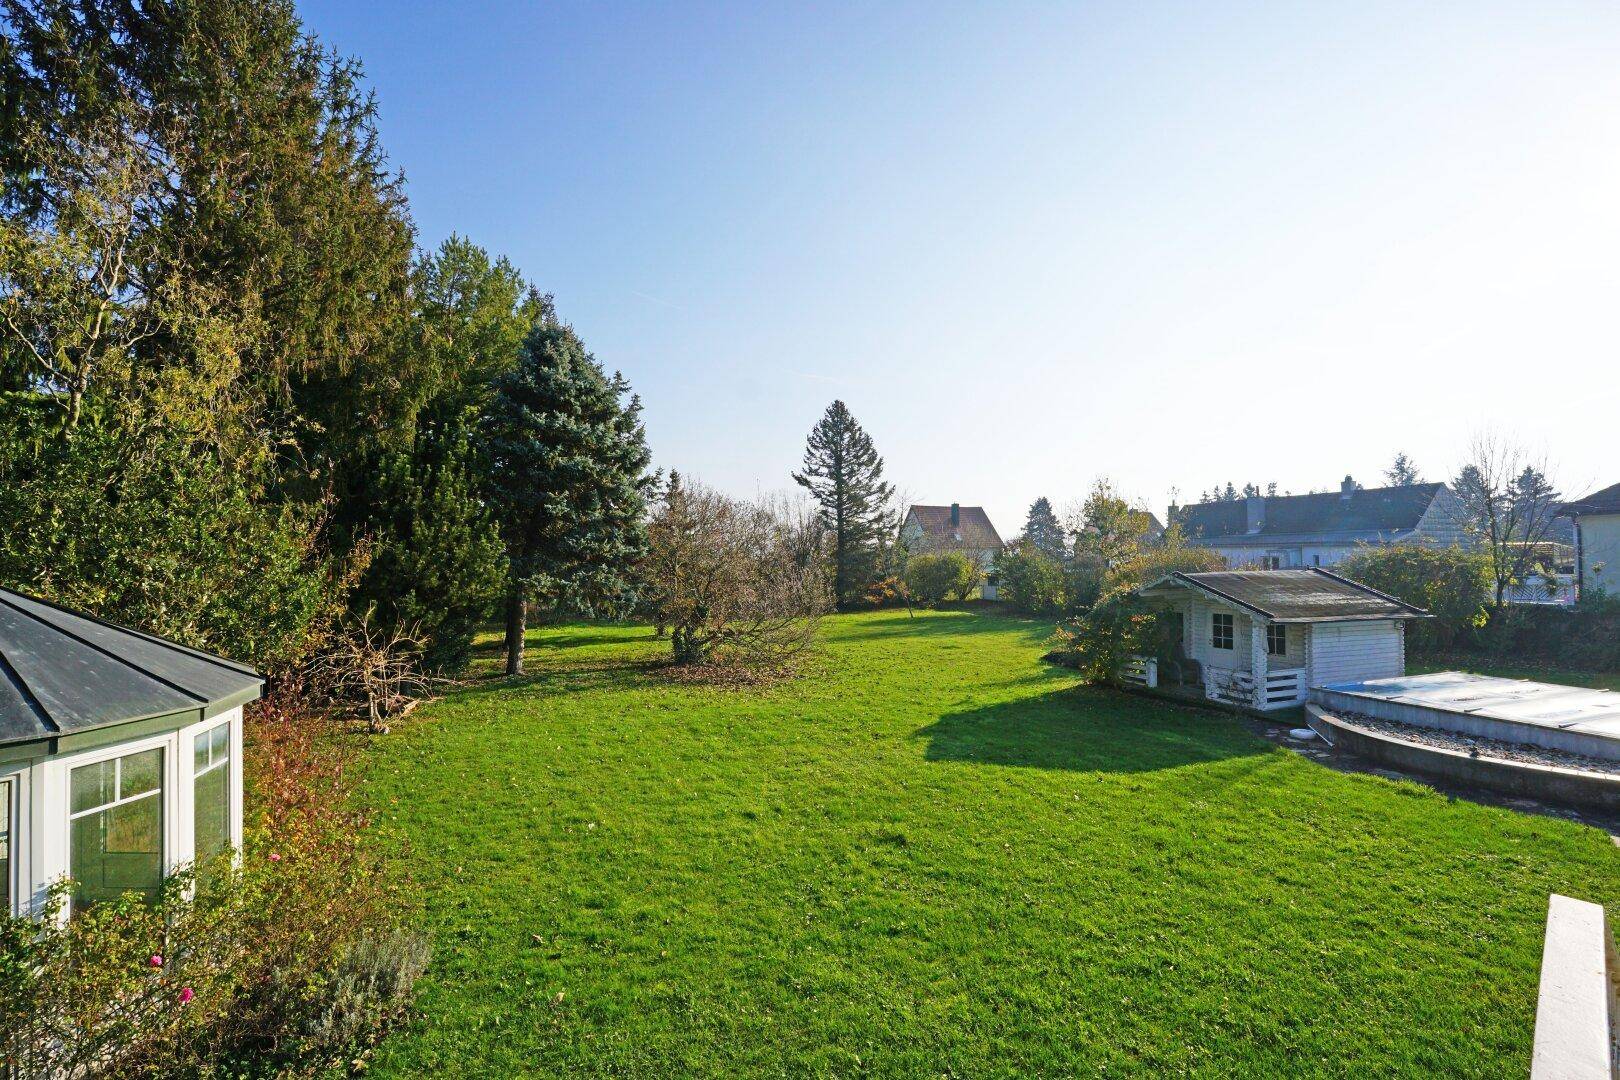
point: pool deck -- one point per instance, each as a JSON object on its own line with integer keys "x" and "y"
{"x": 1571, "y": 718}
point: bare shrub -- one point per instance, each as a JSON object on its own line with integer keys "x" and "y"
{"x": 735, "y": 582}
{"x": 377, "y": 669}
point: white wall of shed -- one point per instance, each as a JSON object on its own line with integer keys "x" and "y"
{"x": 1355, "y": 651}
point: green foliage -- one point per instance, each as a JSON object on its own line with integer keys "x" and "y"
{"x": 1450, "y": 583}
{"x": 1109, "y": 527}
{"x": 1153, "y": 561}
{"x": 1101, "y": 642}
{"x": 843, "y": 472}
{"x": 147, "y": 529}
{"x": 1043, "y": 530}
{"x": 948, "y": 575}
{"x": 568, "y": 479}
{"x": 1031, "y": 580}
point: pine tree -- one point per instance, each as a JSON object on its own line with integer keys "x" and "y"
{"x": 1043, "y": 530}
{"x": 844, "y": 473}
{"x": 1402, "y": 472}
{"x": 567, "y": 458}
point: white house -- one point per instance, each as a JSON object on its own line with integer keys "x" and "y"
{"x": 967, "y": 529}
{"x": 120, "y": 755}
{"x": 1262, "y": 638}
{"x": 1597, "y": 541}
{"x": 1321, "y": 529}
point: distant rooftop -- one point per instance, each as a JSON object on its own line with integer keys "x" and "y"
{"x": 1606, "y": 501}
{"x": 1358, "y": 514}
{"x": 62, "y": 672}
{"x": 973, "y": 525}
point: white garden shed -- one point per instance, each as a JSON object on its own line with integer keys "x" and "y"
{"x": 120, "y": 755}
{"x": 1262, "y": 638}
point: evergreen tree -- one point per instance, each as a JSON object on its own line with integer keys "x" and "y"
{"x": 567, "y": 459}
{"x": 1043, "y": 530}
{"x": 438, "y": 561}
{"x": 1402, "y": 472}
{"x": 844, "y": 474}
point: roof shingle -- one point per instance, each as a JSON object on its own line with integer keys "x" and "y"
{"x": 977, "y": 533}
{"x": 1368, "y": 513}
{"x": 1308, "y": 595}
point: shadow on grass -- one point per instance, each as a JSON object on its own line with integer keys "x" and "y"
{"x": 1088, "y": 730}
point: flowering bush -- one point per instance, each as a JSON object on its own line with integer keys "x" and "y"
{"x": 286, "y": 960}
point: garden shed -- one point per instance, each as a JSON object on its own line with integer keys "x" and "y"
{"x": 120, "y": 755}
{"x": 1262, "y": 638}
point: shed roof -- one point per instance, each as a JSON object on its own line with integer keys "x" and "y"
{"x": 973, "y": 524}
{"x": 1606, "y": 501}
{"x": 1362, "y": 514}
{"x": 1291, "y": 596}
{"x": 63, "y": 672}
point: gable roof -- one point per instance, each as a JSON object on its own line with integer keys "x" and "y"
{"x": 63, "y": 672}
{"x": 1291, "y": 596}
{"x": 1367, "y": 514}
{"x": 973, "y": 523}
{"x": 1606, "y": 501}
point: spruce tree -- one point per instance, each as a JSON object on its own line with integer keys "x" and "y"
{"x": 844, "y": 473}
{"x": 567, "y": 458}
{"x": 1402, "y": 472}
{"x": 1043, "y": 530}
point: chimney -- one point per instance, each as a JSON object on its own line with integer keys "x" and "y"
{"x": 956, "y": 514}
{"x": 1256, "y": 506}
{"x": 1347, "y": 488}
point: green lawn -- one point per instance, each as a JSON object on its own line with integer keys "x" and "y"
{"x": 937, "y": 856}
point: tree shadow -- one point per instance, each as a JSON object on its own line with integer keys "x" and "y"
{"x": 1089, "y": 730}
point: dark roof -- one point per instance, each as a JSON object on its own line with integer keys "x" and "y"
{"x": 973, "y": 523}
{"x": 1606, "y": 501}
{"x": 1308, "y": 595}
{"x": 62, "y": 672}
{"x": 1368, "y": 514}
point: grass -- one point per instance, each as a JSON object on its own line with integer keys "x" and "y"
{"x": 935, "y": 855}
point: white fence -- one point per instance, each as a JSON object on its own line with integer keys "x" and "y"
{"x": 1285, "y": 687}
{"x": 1142, "y": 671}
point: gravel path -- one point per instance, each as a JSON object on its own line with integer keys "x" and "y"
{"x": 1476, "y": 746}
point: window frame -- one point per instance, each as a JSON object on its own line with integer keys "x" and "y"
{"x": 167, "y": 764}
{"x": 1222, "y": 624}
{"x": 8, "y": 845}
{"x": 224, "y": 761}
{"x": 1276, "y": 634}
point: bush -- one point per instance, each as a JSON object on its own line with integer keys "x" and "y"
{"x": 948, "y": 575}
{"x": 290, "y": 960}
{"x": 733, "y": 581}
{"x": 1031, "y": 580}
{"x": 1449, "y": 583}
{"x": 1102, "y": 642}
{"x": 886, "y": 592}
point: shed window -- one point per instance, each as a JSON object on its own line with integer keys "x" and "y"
{"x": 1276, "y": 639}
{"x": 212, "y": 792}
{"x": 1220, "y": 631}
{"x": 5, "y": 847}
{"x": 116, "y": 826}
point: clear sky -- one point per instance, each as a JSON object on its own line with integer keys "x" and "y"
{"x": 1031, "y": 245}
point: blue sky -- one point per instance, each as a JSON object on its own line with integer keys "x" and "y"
{"x": 1030, "y": 245}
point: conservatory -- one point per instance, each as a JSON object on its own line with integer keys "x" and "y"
{"x": 120, "y": 755}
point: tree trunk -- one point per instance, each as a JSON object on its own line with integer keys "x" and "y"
{"x": 515, "y": 628}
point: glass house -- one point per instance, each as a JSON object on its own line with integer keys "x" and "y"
{"x": 120, "y": 755}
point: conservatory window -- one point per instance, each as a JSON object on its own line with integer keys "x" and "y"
{"x": 5, "y": 847}
{"x": 1220, "y": 631}
{"x": 116, "y": 825}
{"x": 212, "y": 792}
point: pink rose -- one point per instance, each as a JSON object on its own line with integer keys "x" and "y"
{"x": 275, "y": 856}
{"x": 156, "y": 960}
{"x": 186, "y": 995}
